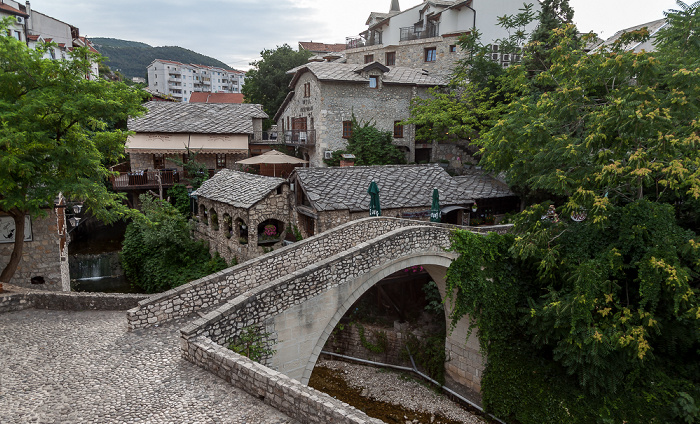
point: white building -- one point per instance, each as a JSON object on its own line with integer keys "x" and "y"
{"x": 180, "y": 80}
{"x": 426, "y": 36}
{"x": 34, "y": 27}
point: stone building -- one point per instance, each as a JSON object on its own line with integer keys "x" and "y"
{"x": 44, "y": 262}
{"x": 219, "y": 135}
{"x": 426, "y": 36}
{"x": 242, "y": 215}
{"x": 324, "y": 198}
{"x": 316, "y": 115}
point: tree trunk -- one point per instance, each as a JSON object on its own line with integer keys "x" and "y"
{"x": 16, "y": 255}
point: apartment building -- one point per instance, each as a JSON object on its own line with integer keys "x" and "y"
{"x": 180, "y": 80}
{"x": 426, "y": 36}
{"x": 32, "y": 28}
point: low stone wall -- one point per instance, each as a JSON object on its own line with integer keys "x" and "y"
{"x": 348, "y": 342}
{"x": 289, "y": 396}
{"x": 68, "y": 301}
{"x": 217, "y": 288}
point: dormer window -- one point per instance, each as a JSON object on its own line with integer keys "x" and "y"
{"x": 373, "y": 81}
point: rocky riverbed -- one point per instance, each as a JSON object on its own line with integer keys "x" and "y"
{"x": 390, "y": 396}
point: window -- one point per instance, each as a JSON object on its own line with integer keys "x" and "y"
{"x": 158, "y": 162}
{"x": 390, "y": 58}
{"x": 453, "y": 49}
{"x": 369, "y": 58}
{"x": 18, "y": 35}
{"x": 347, "y": 129}
{"x": 307, "y": 89}
{"x": 398, "y": 129}
{"x": 430, "y": 54}
{"x": 220, "y": 161}
{"x": 373, "y": 82}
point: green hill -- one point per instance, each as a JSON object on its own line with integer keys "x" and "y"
{"x": 132, "y": 57}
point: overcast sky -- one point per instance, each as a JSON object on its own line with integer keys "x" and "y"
{"x": 235, "y": 31}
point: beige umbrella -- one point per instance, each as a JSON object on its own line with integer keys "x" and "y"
{"x": 272, "y": 157}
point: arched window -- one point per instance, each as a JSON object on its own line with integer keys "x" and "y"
{"x": 241, "y": 230}
{"x": 228, "y": 226}
{"x": 214, "y": 219}
{"x": 270, "y": 232}
{"x": 203, "y": 215}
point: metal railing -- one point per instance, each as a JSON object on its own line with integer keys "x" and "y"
{"x": 299, "y": 137}
{"x": 413, "y": 33}
{"x": 266, "y": 137}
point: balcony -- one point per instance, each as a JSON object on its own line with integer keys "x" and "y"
{"x": 144, "y": 180}
{"x": 299, "y": 137}
{"x": 413, "y": 33}
{"x": 265, "y": 137}
{"x": 355, "y": 42}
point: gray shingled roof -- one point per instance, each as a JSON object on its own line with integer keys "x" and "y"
{"x": 239, "y": 189}
{"x": 200, "y": 118}
{"x": 481, "y": 185}
{"x": 400, "y": 186}
{"x": 332, "y": 71}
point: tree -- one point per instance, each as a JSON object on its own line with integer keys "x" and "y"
{"x": 370, "y": 147}
{"x": 268, "y": 83}
{"x": 597, "y": 291}
{"x": 57, "y": 132}
{"x": 159, "y": 252}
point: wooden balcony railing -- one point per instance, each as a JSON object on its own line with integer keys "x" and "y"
{"x": 145, "y": 179}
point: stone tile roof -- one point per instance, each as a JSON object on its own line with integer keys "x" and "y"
{"x": 321, "y": 47}
{"x": 200, "y": 118}
{"x": 332, "y": 71}
{"x": 239, "y": 189}
{"x": 400, "y": 186}
{"x": 208, "y": 97}
{"x": 481, "y": 185}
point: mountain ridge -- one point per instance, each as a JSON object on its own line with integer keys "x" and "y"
{"x": 132, "y": 58}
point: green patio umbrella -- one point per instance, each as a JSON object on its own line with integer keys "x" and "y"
{"x": 435, "y": 209}
{"x": 374, "y": 208}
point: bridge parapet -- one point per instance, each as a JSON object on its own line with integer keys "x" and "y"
{"x": 257, "y": 306}
{"x": 215, "y": 289}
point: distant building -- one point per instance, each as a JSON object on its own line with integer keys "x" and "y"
{"x": 138, "y": 80}
{"x": 33, "y": 27}
{"x": 181, "y": 80}
{"x": 426, "y": 36}
{"x": 208, "y": 97}
{"x": 652, "y": 27}
{"x": 322, "y": 51}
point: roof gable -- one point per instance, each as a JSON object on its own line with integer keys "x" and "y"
{"x": 238, "y": 189}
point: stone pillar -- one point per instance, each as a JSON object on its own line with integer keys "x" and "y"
{"x": 464, "y": 364}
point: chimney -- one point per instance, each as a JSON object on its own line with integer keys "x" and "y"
{"x": 347, "y": 160}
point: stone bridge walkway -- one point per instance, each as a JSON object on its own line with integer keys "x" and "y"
{"x": 85, "y": 367}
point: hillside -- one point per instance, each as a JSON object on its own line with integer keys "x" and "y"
{"x": 132, "y": 57}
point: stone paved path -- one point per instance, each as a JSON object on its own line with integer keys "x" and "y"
{"x": 84, "y": 367}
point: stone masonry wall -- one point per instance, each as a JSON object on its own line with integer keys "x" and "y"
{"x": 41, "y": 257}
{"x": 217, "y": 288}
{"x": 274, "y": 206}
{"x": 287, "y": 395}
{"x": 411, "y": 54}
{"x": 11, "y": 301}
{"x": 348, "y": 342}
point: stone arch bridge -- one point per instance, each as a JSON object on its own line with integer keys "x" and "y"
{"x": 300, "y": 292}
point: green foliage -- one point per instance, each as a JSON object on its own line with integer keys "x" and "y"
{"x": 252, "y": 343}
{"x": 181, "y": 199}
{"x": 267, "y": 83}
{"x": 381, "y": 343}
{"x": 370, "y": 147}
{"x": 429, "y": 354}
{"x": 297, "y": 233}
{"x": 132, "y": 58}
{"x": 433, "y": 299}
{"x": 58, "y": 132}
{"x": 197, "y": 172}
{"x": 159, "y": 252}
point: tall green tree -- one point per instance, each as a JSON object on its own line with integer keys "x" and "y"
{"x": 597, "y": 291}
{"x": 57, "y": 132}
{"x": 268, "y": 83}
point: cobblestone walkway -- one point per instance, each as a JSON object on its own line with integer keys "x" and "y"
{"x": 84, "y": 367}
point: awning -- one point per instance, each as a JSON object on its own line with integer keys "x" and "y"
{"x": 178, "y": 143}
{"x": 448, "y": 209}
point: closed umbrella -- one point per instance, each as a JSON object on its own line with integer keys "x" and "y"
{"x": 435, "y": 209}
{"x": 374, "y": 208}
